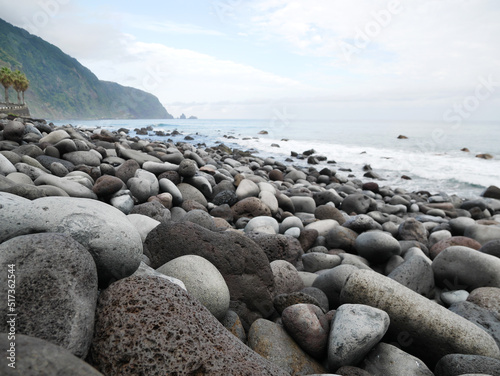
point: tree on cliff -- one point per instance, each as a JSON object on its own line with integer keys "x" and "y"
{"x": 20, "y": 84}
{"x": 6, "y": 80}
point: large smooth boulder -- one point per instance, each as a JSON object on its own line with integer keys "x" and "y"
{"x": 242, "y": 263}
{"x": 149, "y": 326}
{"x": 377, "y": 246}
{"x": 54, "y": 283}
{"x": 467, "y": 267}
{"x": 202, "y": 280}
{"x": 428, "y": 324}
{"x": 103, "y": 230}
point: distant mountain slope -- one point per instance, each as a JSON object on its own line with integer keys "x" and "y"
{"x": 62, "y": 88}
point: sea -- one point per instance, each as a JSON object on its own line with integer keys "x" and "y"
{"x": 431, "y": 154}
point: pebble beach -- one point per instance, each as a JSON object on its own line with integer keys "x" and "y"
{"x": 123, "y": 256}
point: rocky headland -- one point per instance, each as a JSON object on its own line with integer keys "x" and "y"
{"x": 140, "y": 257}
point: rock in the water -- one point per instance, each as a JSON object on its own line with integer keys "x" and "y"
{"x": 241, "y": 262}
{"x": 104, "y": 230}
{"x": 36, "y": 357}
{"x": 428, "y": 324}
{"x": 460, "y": 364}
{"x": 55, "y": 289}
{"x": 492, "y": 192}
{"x": 202, "y": 280}
{"x": 149, "y": 326}
{"x": 467, "y": 267}
{"x": 271, "y": 341}
{"x": 388, "y": 360}
{"x": 355, "y": 329}
{"x": 377, "y": 246}
{"x": 308, "y": 326}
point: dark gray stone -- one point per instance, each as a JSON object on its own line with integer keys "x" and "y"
{"x": 461, "y": 364}
{"x": 55, "y": 289}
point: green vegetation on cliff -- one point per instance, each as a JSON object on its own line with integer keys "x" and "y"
{"x": 61, "y": 88}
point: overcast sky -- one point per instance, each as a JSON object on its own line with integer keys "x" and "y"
{"x": 356, "y": 59}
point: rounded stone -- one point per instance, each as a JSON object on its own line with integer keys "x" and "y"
{"x": 331, "y": 282}
{"x": 286, "y": 278}
{"x": 388, "y": 360}
{"x": 107, "y": 185}
{"x": 272, "y": 342}
{"x": 358, "y": 203}
{"x": 189, "y": 192}
{"x": 341, "y": 238}
{"x": 377, "y": 246}
{"x": 461, "y": 364}
{"x": 201, "y": 218}
{"x": 467, "y": 267}
{"x": 441, "y": 245}
{"x": 355, "y": 329}
{"x": 104, "y": 230}
{"x": 143, "y": 185}
{"x": 55, "y": 289}
{"x": 483, "y": 233}
{"x": 247, "y": 188}
{"x": 263, "y": 224}
{"x": 250, "y": 207}
{"x": 454, "y": 296}
{"x": 303, "y": 204}
{"x": 278, "y": 247}
{"x": 276, "y": 175}
{"x": 202, "y": 280}
{"x": 88, "y": 158}
{"x": 315, "y": 261}
{"x": 308, "y": 326}
{"x": 127, "y": 170}
{"x": 411, "y": 229}
{"x": 491, "y": 248}
{"x": 416, "y": 273}
{"x": 14, "y": 131}
{"x": 486, "y": 297}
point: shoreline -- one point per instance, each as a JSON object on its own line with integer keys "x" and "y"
{"x": 295, "y": 261}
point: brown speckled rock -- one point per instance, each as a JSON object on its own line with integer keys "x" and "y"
{"x": 250, "y": 207}
{"x": 242, "y": 263}
{"x": 440, "y": 246}
{"x": 150, "y": 326}
{"x": 278, "y": 247}
{"x": 411, "y": 229}
{"x": 106, "y": 185}
{"x": 282, "y": 301}
{"x": 273, "y": 342}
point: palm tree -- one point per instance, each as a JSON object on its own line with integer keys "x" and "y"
{"x": 24, "y": 86}
{"x": 17, "y": 83}
{"x": 6, "y": 80}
